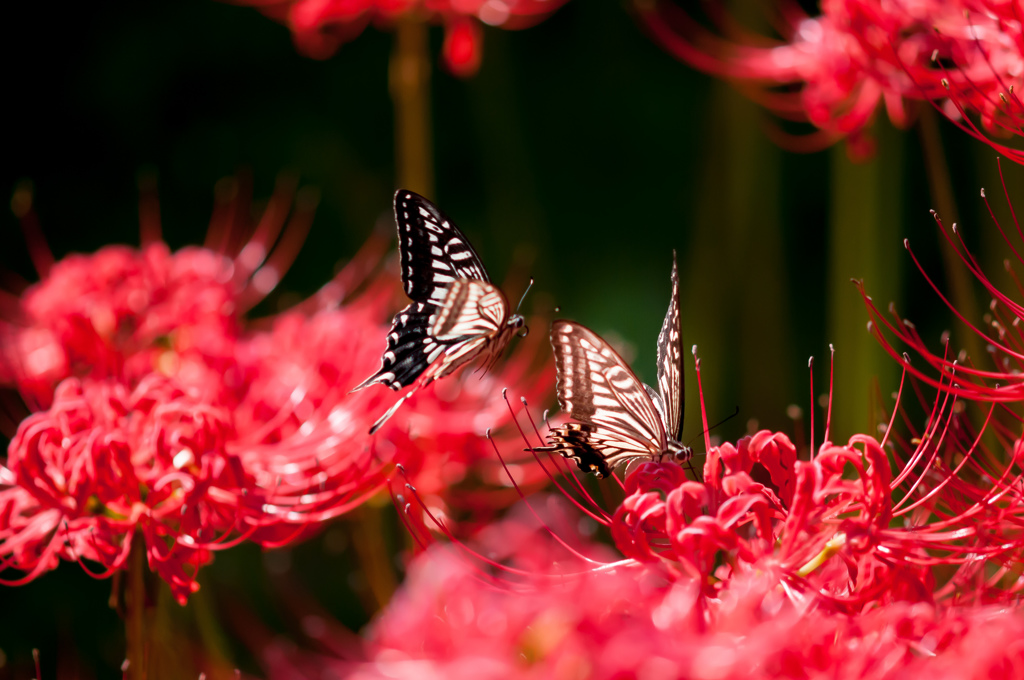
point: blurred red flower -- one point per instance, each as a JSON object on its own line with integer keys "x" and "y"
{"x": 320, "y": 27}
{"x": 537, "y": 607}
{"x": 966, "y": 56}
{"x": 163, "y": 416}
{"x": 124, "y": 313}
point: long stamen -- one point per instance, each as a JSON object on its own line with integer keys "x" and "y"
{"x": 577, "y": 484}
{"x": 831, "y": 378}
{"x": 700, "y": 395}
{"x": 810, "y": 371}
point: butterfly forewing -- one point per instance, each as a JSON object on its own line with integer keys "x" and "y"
{"x": 411, "y": 349}
{"x": 670, "y": 361}
{"x": 597, "y": 388}
{"x": 434, "y": 252}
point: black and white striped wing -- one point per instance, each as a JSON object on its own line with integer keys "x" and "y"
{"x": 434, "y": 252}
{"x": 617, "y": 419}
{"x": 411, "y": 348}
{"x": 670, "y": 362}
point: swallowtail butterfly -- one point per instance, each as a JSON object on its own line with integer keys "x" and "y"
{"x": 456, "y": 314}
{"x": 618, "y": 417}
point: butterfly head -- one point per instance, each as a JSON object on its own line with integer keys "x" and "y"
{"x": 678, "y": 452}
{"x": 517, "y": 323}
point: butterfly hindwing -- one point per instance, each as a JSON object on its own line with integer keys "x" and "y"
{"x": 598, "y": 389}
{"x": 670, "y": 361}
{"x": 434, "y": 252}
{"x": 411, "y": 349}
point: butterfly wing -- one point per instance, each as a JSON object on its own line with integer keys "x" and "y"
{"x": 670, "y": 362}
{"x": 470, "y": 308}
{"x": 434, "y": 251}
{"x": 617, "y": 419}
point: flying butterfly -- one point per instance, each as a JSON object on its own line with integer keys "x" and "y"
{"x": 456, "y": 313}
{"x": 618, "y": 418}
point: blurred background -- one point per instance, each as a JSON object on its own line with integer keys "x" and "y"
{"x": 581, "y": 153}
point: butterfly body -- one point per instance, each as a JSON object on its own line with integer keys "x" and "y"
{"x": 456, "y": 314}
{"x": 618, "y": 418}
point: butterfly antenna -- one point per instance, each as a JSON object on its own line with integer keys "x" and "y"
{"x": 723, "y": 421}
{"x": 528, "y": 287}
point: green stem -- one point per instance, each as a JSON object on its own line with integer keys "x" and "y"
{"x": 409, "y": 76}
{"x": 135, "y": 611}
{"x": 866, "y": 206}
{"x": 371, "y": 550}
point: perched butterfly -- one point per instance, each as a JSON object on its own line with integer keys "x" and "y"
{"x": 618, "y": 417}
{"x": 456, "y": 313}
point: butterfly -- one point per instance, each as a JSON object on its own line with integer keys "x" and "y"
{"x": 618, "y": 418}
{"x": 456, "y": 313}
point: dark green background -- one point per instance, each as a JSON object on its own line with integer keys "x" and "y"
{"x": 580, "y": 144}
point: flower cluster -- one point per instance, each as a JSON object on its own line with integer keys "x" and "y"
{"x": 320, "y": 27}
{"x": 123, "y": 312}
{"x": 162, "y": 416}
{"x": 966, "y": 56}
{"x": 706, "y": 595}
{"x": 632, "y": 622}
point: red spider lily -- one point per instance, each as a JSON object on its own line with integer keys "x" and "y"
{"x": 965, "y": 56}
{"x": 548, "y": 617}
{"x": 320, "y": 27}
{"x": 124, "y": 313}
{"x": 957, "y": 373}
{"x": 183, "y": 428}
{"x": 104, "y": 467}
{"x": 857, "y": 525}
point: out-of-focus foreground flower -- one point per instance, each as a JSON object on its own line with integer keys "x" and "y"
{"x": 162, "y": 416}
{"x": 320, "y": 27}
{"x": 836, "y": 567}
{"x": 966, "y": 56}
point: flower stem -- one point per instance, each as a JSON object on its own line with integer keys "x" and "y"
{"x": 409, "y": 76}
{"x": 864, "y": 222}
{"x": 135, "y": 611}
{"x": 373, "y": 555}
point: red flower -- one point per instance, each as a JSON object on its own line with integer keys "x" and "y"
{"x": 320, "y": 27}
{"x": 181, "y": 427}
{"x": 104, "y": 467}
{"x": 966, "y": 56}
{"x": 124, "y": 313}
{"x": 549, "y": 618}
